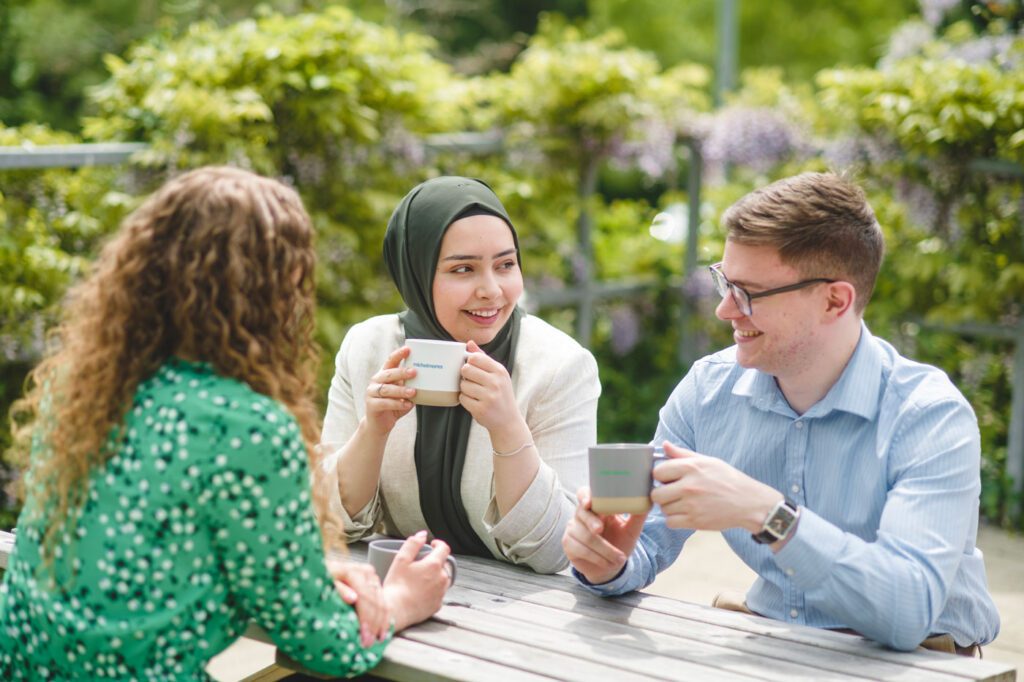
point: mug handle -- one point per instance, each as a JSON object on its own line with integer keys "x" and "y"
{"x": 454, "y": 568}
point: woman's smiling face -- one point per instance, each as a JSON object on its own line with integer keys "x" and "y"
{"x": 477, "y": 282}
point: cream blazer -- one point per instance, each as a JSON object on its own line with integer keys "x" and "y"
{"x": 556, "y": 386}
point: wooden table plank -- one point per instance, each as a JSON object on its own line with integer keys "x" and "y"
{"x": 407, "y": 660}
{"x": 950, "y": 664}
{"x": 973, "y": 669}
{"x": 671, "y": 633}
{"x": 736, "y": 642}
{"x": 659, "y": 655}
{"x": 515, "y": 655}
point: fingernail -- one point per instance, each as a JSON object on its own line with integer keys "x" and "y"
{"x": 596, "y": 527}
{"x": 421, "y": 534}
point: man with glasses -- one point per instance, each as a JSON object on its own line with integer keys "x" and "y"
{"x": 844, "y": 474}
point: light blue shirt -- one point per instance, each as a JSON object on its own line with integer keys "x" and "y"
{"x": 885, "y": 469}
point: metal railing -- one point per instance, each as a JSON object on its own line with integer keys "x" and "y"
{"x": 68, "y": 155}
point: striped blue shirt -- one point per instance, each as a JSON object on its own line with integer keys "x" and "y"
{"x": 885, "y": 469}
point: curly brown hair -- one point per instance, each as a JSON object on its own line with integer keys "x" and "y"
{"x": 216, "y": 266}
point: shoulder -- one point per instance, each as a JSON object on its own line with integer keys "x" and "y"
{"x": 717, "y": 370}
{"x": 552, "y": 366}
{"x": 711, "y": 382}
{"x": 909, "y": 384}
{"x": 379, "y": 328}
{"x": 545, "y": 351}
{"x": 217, "y": 415}
{"x": 203, "y": 388}
{"x": 539, "y": 340}
{"x": 916, "y": 393}
{"x": 369, "y": 341}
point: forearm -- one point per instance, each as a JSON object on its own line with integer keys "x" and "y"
{"x": 359, "y": 466}
{"x": 513, "y": 473}
{"x": 880, "y": 589}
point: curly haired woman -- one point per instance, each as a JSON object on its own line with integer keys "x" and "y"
{"x": 170, "y": 432}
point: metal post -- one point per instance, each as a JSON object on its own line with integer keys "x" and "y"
{"x": 728, "y": 49}
{"x": 688, "y": 351}
{"x": 585, "y": 267}
{"x": 1015, "y": 447}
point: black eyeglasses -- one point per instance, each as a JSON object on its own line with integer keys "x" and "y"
{"x": 743, "y": 298}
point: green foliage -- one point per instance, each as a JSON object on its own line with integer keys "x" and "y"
{"x": 51, "y": 51}
{"x": 959, "y": 253}
{"x": 50, "y": 223}
{"x": 339, "y": 106}
{"x": 801, "y": 37}
{"x": 581, "y": 96}
{"x": 331, "y": 102}
{"x": 944, "y": 161}
{"x": 478, "y": 36}
{"x": 932, "y": 108}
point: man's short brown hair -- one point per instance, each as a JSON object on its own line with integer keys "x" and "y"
{"x": 820, "y": 223}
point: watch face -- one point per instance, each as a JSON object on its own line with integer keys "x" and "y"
{"x": 780, "y": 521}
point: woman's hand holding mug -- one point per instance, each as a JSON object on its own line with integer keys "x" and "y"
{"x": 413, "y": 589}
{"x": 387, "y": 397}
{"x": 487, "y": 395}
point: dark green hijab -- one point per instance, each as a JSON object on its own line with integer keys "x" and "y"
{"x": 412, "y": 245}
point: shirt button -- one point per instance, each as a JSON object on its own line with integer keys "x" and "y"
{"x": 798, "y": 425}
{"x": 794, "y": 613}
{"x": 795, "y": 488}
{"x": 790, "y": 571}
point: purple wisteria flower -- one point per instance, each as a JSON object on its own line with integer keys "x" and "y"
{"x": 907, "y": 40}
{"x": 755, "y": 137}
{"x": 401, "y": 145}
{"x": 921, "y": 202}
{"x": 934, "y": 11}
{"x": 652, "y": 150}
{"x": 997, "y": 49}
{"x": 625, "y": 329}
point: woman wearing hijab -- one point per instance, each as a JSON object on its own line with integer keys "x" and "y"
{"x": 493, "y": 475}
{"x": 168, "y": 490}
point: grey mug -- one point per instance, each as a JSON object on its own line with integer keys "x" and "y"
{"x": 382, "y": 554}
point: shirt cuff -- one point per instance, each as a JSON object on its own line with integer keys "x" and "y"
{"x": 531, "y": 531}
{"x": 363, "y": 523}
{"x": 616, "y": 586}
{"x": 808, "y": 558}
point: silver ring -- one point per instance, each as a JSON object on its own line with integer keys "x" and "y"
{"x": 380, "y": 387}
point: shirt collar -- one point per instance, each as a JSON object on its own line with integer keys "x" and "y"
{"x": 855, "y": 392}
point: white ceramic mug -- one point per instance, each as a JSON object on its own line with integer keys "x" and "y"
{"x": 437, "y": 366}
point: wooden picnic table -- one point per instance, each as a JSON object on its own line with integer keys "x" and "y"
{"x": 505, "y": 623}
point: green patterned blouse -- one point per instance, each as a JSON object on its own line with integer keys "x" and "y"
{"x": 201, "y": 522}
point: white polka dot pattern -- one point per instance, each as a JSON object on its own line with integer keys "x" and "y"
{"x": 200, "y": 522}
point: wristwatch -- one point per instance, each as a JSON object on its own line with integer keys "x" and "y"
{"x": 779, "y": 524}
